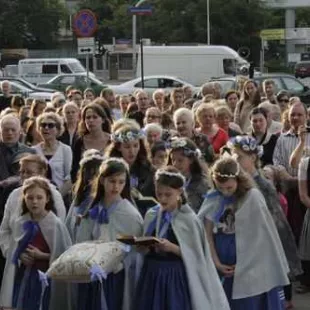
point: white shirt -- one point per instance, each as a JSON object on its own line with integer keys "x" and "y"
{"x": 60, "y": 163}
{"x": 13, "y": 210}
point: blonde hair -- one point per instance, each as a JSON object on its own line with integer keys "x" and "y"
{"x": 223, "y": 111}
{"x": 53, "y": 116}
{"x": 183, "y": 112}
{"x": 204, "y": 107}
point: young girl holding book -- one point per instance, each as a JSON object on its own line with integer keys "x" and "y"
{"x": 89, "y": 167}
{"x": 244, "y": 242}
{"x": 110, "y": 215}
{"x": 39, "y": 238}
{"x": 178, "y": 272}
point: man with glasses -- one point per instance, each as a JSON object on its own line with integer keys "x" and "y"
{"x": 283, "y": 99}
{"x": 152, "y": 115}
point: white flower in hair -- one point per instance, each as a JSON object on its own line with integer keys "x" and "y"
{"x": 129, "y": 135}
{"x": 162, "y": 172}
{"x": 178, "y": 142}
{"x": 246, "y": 148}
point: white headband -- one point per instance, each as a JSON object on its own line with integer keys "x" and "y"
{"x": 89, "y": 158}
{"x": 161, "y": 172}
{"x": 231, "y": 175}
{"x": 115, "y": 160}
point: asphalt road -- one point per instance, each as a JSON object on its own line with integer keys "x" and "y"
{"x": 301, "y": 302}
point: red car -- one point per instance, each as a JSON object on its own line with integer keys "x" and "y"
{"x": 302, "y": 69}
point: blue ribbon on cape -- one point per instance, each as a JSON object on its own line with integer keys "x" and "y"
{"x": 31, "y": 229}
{"x": 224, "y": 201}
{"x": 102, "y": 216}
{"x": 166, "y": 218}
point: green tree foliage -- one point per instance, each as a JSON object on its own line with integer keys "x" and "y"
{"x": 32, "y": 24}
{"x": 235, "y": 23}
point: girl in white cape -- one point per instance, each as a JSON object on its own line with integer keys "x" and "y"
{"x": 245, "y": 245}
{"x": 39, "y": 237}
{"x": 178, "y": 272}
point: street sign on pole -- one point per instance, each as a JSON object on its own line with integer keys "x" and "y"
{"x": 86, "y": 46}
{"x": 141, "y": 10}
{"x": 272, "y": 34}
{"x": 85, "y": 23}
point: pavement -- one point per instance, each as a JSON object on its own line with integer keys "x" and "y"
{"x": 301, "y": 302}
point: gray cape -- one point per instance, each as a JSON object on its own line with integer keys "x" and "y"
{"x": 58, "y": 240}
{"x": 205, "y": 288}
{"x": 261, "y": 263}
{"x": 283, "y": 227}
{"x": 125, "y": 219}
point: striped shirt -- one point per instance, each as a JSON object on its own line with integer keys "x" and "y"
{"x": 286, "y": 144}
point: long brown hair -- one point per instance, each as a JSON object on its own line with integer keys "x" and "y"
{"x": 96, "y": 108}
{"x": 42, "y": 183}
{"x": 228, "y": 168}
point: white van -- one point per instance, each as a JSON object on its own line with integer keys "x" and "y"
{"x": 41, "y": 70}
{"x": 194, "y": 64}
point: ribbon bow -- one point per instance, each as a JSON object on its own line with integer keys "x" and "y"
{"x": 30, "y": 228}
{"x": 101, "y": 217}
{"x": 97, "y": 273}
{"x": 166, "y": 218}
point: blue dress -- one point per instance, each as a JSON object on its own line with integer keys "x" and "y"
{"x": 90, "y": 294}
{"x": 163, "y": 282}
{"x": 225, "y": 245}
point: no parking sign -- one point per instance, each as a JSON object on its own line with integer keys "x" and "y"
{"x": 85, "y": 23}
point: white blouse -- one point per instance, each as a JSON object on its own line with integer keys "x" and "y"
{"x": 60, "y": 163}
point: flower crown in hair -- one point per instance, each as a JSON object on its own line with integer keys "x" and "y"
{"x": 127, "y": 136}
{"x": 114, "y": 160}
{"x": 162, "y": 172}
{"x": 246, "y": 144}
{"x": 181, "y": 143}
{"x": 228, "y": 176}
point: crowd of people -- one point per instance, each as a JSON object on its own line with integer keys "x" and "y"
{"x": 222, "y": 180}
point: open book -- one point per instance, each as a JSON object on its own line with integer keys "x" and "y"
{"x": 132, "y": 240}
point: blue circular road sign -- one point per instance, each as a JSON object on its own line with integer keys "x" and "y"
{"x": 85, "y": 23}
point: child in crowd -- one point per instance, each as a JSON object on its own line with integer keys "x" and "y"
{"x": 245, "y": 245}
{"x": 39, "y": 237}
{"x": 159, "y": 155}
{"x": 111, "y": 213}
{"x": 89, "y": 167}
{"x": 186, "y": 157}
{"x": 178, "y": 272}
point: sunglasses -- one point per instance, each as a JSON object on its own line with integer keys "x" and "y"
{"x": 284, "y": 100}
{"x": 48, "y": 125}
{"x": 153, "y": 116}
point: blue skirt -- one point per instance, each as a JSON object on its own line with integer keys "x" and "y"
{"x": 163, "y": 285}
{"x": 27, "y": 291}
{"x": 225, "y": 245}
{"x": 89, "y": 294}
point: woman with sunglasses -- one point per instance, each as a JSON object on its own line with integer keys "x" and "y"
{"x": 283, "y": 99}
{"x": 57, "y": 154}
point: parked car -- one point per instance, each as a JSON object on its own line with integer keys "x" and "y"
{"x": 302, "y": 69}
{"x": 283, "y": 82}
{"x": 27, "y": 84}
{"x": 78, "y": 81}
{"x": 17, "y": 89}
{"x": 151, "y": 83}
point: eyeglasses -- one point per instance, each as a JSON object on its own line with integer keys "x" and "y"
{"x": 284, "y": 100}
{"x": 48, "y": 125}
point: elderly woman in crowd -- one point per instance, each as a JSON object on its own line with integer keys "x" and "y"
{"x": 57, "y": 154}
{"x": 185, "y": 125}
{"x": 153, "y": 132}
{"x": 223, "y": 118}
{"x": 205, "y": 116}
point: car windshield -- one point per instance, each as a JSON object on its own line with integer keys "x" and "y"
{"x": 303, "y": 65}
{"x": 76, "y": 67}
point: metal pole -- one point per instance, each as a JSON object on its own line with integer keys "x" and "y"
{"x": 262, "y": 56}
{"x": 208, "y": 23}
{"x": 141, "y": 54}
{"x": 134, "y": 37}
{"x": 134, "y": 43}
{"x": 87, "y": 69}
